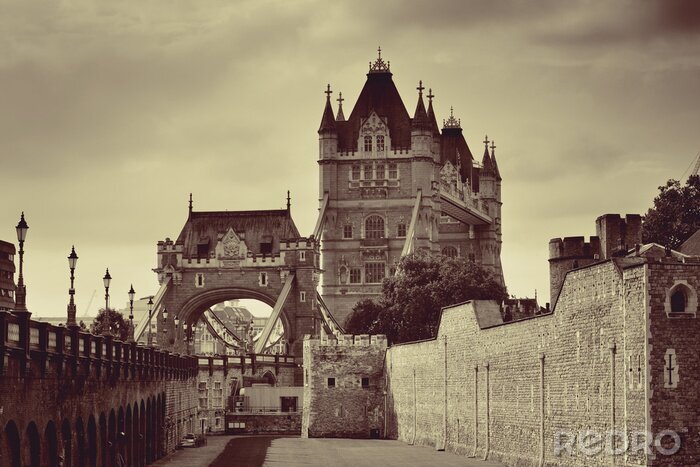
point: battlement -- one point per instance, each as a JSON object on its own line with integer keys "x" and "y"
{"x": 574, "y": 248}
{"x": 302, "y": 243}
{"x": 347, "y": 340}
{"x": 617, "y": 234}
{"x": 169, "y": 246}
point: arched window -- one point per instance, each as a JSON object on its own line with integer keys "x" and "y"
{"x": 368, "y": 143}
{"x": 679, "y": 300}
{"x": 374, "y": 227}
{"x": 380, "y": 143}
{"x": 450, "y": 251}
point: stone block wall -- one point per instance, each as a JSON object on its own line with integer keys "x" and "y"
{"x": 337, "y": 402}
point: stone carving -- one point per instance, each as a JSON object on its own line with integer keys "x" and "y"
{"x": 231, "y": 244}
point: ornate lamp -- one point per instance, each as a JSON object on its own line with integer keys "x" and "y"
{"x": 72, "y": 262}
{"x": 150, "y": 315}
{"x": 21, "y": 294}
{"x": 107, "y": 279}
{"x": 131, "y": 313}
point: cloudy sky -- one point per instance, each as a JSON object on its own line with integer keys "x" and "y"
{"x": 112, "y": 112}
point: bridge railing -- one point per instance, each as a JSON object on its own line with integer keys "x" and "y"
{"x": 251, "y": 360}
{"x": 73, "y": 352}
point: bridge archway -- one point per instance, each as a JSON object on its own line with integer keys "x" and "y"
{"x": 12, "y": 440}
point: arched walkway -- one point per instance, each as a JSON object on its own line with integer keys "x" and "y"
{"x": 33, "y": 446}
{"x": 103, "y": 445}
{"x": 51, "y": 454}
{"x": 12, "y": 445}
{"x": 80, "y": 450}
{"x": 92, "y": 442}
{"x": 128, "y": 429}
{"x": 66, "y": 443}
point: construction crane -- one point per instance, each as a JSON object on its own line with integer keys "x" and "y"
{"x": 87, "y": 308}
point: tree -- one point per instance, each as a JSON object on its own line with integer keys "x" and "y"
{"x": 118, "y": 326}
{"x": 675, "y": 215}
{"x": 409, "y": 306}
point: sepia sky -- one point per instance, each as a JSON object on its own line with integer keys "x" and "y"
{"x": 111, "y": 113}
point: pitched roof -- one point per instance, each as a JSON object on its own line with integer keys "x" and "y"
{"x": 420, "y": 118}
{"x": 453, "y": 142}
{"x": 493, "y": 161}
{"x": 691, "y": 246}
{"x": 207, "y": 227}
{"x": 431, "y": 115}
{"x": 379, "y": 94}
{"x": 328, "y": 119}
{"x": 486, "y": 160}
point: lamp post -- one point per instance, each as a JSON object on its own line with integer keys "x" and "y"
{"x": 72, "y": 262}
{"x": 131, "y": 313}
{"x": 107, "y": 279}
{"x": 176, "y": 320}
{"x": 150, "y": 315}
{"x": 187, "y": 331}
{"x": 21, "y": 294}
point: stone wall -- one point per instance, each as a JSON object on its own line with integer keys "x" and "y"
{"x": 274, "y": 423}
{"x": 344, "y": 387}
{"x": 511, "y": 392}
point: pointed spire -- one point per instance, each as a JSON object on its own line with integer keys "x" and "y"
{"x": 340, "y": 117}
{"x": 328, "y": 120}
{"x": 420, "y": 118}
{"x": 431, "y": 113}
{"x": 289, "y": 201}
{"x": 493, "y": 160}
{"x": 190, "y": 207}
{"x": 486, "y": 160}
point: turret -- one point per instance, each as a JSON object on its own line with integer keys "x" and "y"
{"x": 434, "y": 126}
{"x": 327, "y": 132}
{"x": 421, "y": 131}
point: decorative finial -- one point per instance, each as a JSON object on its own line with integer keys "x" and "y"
{"x": 430, "y": 95}
{"x": 379, "y": 66}
{"x": 420, "y": 88}
{"x": 328, "y": 92}
{"x": 486, "y": 141}
{"x": 190, "y": 203}
{"x": 493, "y": 147}
{"x": 289, "y": 201}
{"x": 452, "y": 122}
{"x": 340, "y": 99}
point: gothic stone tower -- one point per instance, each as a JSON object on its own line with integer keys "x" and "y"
{"x": 391, "y": 184}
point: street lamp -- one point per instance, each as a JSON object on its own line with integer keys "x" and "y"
{"x": 107, "y": 279}
{"x": 21, "y": 294}
{"x": 131, "y": 313}
{"x": 165, "y": 320}
{"x": 150, "y": 315}
{"x": 177, "y": 328}
{"x": 72, "y": 262}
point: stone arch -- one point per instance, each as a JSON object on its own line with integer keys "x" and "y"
{"x": 158, "y": 427}
{"x": 51, "y": 449}
{"x": 142, "y": 431}
{"x": 92, "y": 442}
{"x": 128, "y": 430}
{"x": 192, "y": 309}
{"x": 80, "y": 448}
{"x": 33, "y": 455}
{"x": 681, "y": 297}
{"x": 66, "y": 442}
{"x": 111, "y": 438}
{"x": 103, "y": 445}
{"x": 270, "y": 378}
{"x": 149, "y": 432}
{"x": 120, "y": 437}
{"x": 13, "y": 445}
{"x": 373, "y": 226}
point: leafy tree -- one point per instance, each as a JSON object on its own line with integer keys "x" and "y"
{"x": 117, "y": 325}
{"x": 675, "y": 215}
{"x": 410, "y": 304}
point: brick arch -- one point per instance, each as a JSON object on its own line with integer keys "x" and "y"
{"x": 196, "y": 305}
{"x": 142, "y": 431}
{"x": 13, "y": 449}
{"x": 33, "y": 446}
{"x": 129, "y": 439}
{"x": 80, "y": 446}
{"x": 67, "y": 442}
{"x": 50, "y": 450}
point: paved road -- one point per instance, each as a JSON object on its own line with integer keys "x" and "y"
{"x": 275, "y": 451}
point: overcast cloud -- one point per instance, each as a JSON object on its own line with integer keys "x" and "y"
{"x": 112, "y": 112}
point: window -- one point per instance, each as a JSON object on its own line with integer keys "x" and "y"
{"x": 202, "y": 250}
{"x": 679, "y": 301}
{"x": 262, "y": 279}
{"x": 355, "y": 275}
{"x": 365, "y": 382}
{"x": 380, "y": 172}
{"x": 374, "y": 273}
{"x": 356, "y": 172}
{"x": 401, "y": 230}
{"x": 347, "y": 231}
{"x": 203, "y": 395}
{"x": 368, "y": 144}
{"x": 374, "y": 227}
{"x": 266, "y": 248}
{"x": 393, "y": 171}
{"x": 380, "y": 143}
{"x": 302, "y": 256}
{"x": 368, "y": 172}
{"x": 302, "y": 296}
{"x": 450, "y": 251}
{"x": 199, "y": 280}
{"x": 331, "y": 382}
{"x": 217, "y": 396}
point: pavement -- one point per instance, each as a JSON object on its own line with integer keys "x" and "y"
{"x": 277, "y": 451}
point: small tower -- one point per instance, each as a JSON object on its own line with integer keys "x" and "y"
{"x": 421, "y": 130}
{"x": 434, "y": 126}
{"x": 327, "y": 132}
{"x": 341, "y": 116}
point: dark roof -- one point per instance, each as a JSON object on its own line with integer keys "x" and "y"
{"x": 7, "y": 247}
{"x": 328, "y": 120}
{"x": 420, "y": 118}
{"x": 379, "y": 94}
{"x": 452, "y": 142}
{"x": 486, "y": 161}
{"x": 691, "y": 246}
{"x": 208, "y": 227}
{"x": 495, "y": 164}
{"x": 431, "y": 117}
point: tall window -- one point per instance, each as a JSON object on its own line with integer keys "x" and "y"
{"x": 401, "y": 230}
{"x": 203, "y": 395}
{"x": 218, "y": 395}
{"x": 356, "y": 172}
{"x": 368, "y": 171}
{"x": 679, "y": 300}
{"x": 380, "y": 143}
{"x": 374, "y": 227}
{"x": 393, "y": 171}
{"x": 355, "y": 276}
{"x": 450, "y": 251}
{"x": 368, "y": 144}
{"x": 347, "y": 231}
{"x": 374, "y": 273}
{"x": 380, "y": 172}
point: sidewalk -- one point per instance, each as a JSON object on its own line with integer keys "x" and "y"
{"x": 196, "y": 457}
